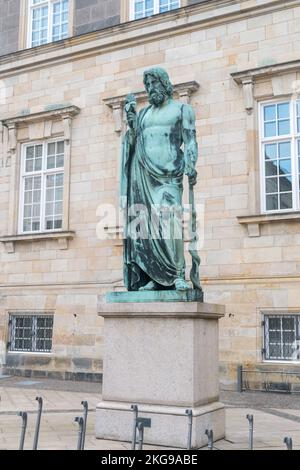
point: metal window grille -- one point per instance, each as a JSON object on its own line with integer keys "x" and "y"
{"x": 30, "y": 333}
{"x": 282, "y": 337}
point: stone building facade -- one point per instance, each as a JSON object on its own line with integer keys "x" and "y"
{"x": 61, "y": 102}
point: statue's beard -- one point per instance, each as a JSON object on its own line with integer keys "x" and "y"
{"x": 157, "y": 98}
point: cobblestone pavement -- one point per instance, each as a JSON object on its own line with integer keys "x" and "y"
{"x": 275, "y": 416}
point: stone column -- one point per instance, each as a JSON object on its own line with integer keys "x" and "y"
{"x": 162, "y": 356}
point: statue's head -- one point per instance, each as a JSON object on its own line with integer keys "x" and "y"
{"x": 158, "y": 85}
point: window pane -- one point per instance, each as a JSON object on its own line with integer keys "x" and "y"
{"x": 27, "y": 225}
{"x": 49, "y": 208}
{"x": 50, "y": 163}
{"x": 288, "y": 323}
{"x": 271, "y": 168}
{"x": 29, "y": 152}
{"x": 270, "y": 129}
{"x": 59, "y": 179}
{"x": 37, "y": 182}
{"x": 57, "y": 224}
{"x": 28, "y": 183}
{"x": 283, "y": 110}
{"x": 29, "y": 166}
{"x": 285, "y": 184}
{"x": 271, "y": 185}
{"x": 36, "y": 196}
{"x": 285, "y": 167}
{"x": 38, "y": 164}
{"x": 274, "y": 336}
{"x": 284, "y": 149}
{"x": 60, "y": 147}
{"x": 274, "y": 323}
{"x": 50, "y": 181}
{"x": 283, "y": 127}
{"x": 51, "y": 148}
{"x": 272, "y": 202}
{"x": 270, "y": 151}
{"x": 27, "y": 211}
{"x": 275, "y": 351}
{"x": 270, "y": 112}
{"x": 286, "y": 201}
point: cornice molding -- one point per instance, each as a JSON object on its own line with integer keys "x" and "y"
{"x": 57, "y": 113}
{"x": 265, "y": 71}
{"x": 191, "y": 18}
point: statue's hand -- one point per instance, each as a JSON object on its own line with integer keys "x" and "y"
{"x": 131, "y": 117}
{"x": 192, "y": 175}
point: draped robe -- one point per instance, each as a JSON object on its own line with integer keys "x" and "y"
{"x": 145, "y": 184}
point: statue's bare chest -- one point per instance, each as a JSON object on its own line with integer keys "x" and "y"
{"x": 165, "y": 117}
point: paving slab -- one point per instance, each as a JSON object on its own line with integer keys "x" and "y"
{"x": 275, "y": 417}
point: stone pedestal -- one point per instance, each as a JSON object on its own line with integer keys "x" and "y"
{"x": 162, "y": 356}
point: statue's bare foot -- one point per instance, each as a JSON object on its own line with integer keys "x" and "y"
{"x": 181, "y": 284}
{"x": 152, "y": 285}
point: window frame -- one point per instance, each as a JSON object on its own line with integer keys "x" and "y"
{"x": 265, "y": 347}
{"x": 29, "y": 19}
{"x": 294, "y": 137}
{"x": 43, "y": 172}
{"x": 155, "y": 8}
{"x": 34, "y": 316}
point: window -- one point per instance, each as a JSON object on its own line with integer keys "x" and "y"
{"x": 282, "y": 337}
{"x": 30, "y": 333}
{"x": 143, "y": 8}
{"x": 48, "y": 21}
{"x": 280, "y": 148}
{"x": 41, "y": 206}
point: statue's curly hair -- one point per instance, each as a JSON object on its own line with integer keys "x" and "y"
{"x": 161, "y": 75}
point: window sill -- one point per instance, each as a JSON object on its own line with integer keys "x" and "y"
{"x": 254, "y": 222}
{"x": 31, "y": 353}
{"x": 61, "y": 237}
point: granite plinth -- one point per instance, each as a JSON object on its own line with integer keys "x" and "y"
{"x": 162, "y": 356}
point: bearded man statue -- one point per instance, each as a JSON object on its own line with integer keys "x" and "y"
{"x": 153, "y": 166}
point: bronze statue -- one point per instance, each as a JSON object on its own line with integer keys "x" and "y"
{"x": 153, "y": 166}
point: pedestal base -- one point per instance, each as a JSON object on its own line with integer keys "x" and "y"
{"x": 169, "y": 424}
{"x": 162, "y": 356}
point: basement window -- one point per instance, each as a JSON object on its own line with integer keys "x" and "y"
{"x": 30, "y": 333}
{"x": 281, "y": 337}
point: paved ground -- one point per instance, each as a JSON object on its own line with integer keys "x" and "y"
{"x": 275, "y": 416}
